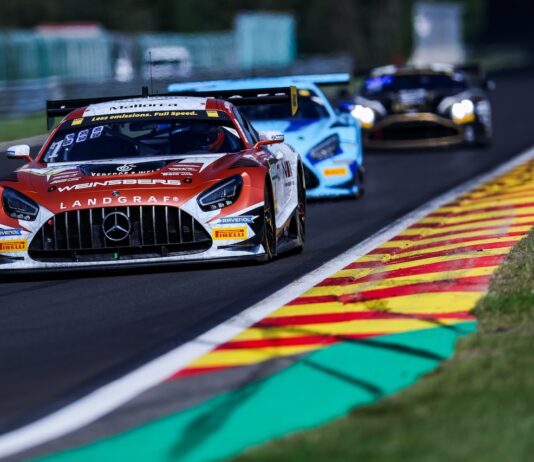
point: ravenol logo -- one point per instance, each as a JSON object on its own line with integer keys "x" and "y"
{"x": 248, "y": 219}
{"x": 10, "y": 232}
{"x": 226, "y": 234}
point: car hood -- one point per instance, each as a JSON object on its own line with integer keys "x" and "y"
{"x": 302, "y": 134}
{"x": 132, "y": 181}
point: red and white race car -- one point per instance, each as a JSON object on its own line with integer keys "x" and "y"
{"x": 153, "y": 179}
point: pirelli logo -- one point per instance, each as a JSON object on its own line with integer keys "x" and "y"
{"x": 227, "y": 234}
{"x": 14, "y": 246}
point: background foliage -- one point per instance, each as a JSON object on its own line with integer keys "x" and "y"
{"x": 373, "y": 31}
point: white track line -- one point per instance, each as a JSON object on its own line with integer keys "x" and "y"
{"x": 117, "y": 393}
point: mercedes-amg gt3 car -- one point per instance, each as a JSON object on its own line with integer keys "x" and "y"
{"x": 330, "y": 143}
{"x": 423, "y": 106}
{"x": 153, "y": 179}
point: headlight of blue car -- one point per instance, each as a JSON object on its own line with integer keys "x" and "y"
{"x": 17, "y": 205}
{"x": 325, "y": 149}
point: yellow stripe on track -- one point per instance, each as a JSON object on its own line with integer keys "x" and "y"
{"x": 398, "y": 282}
{"x": 433, "y": 303}
{"x": 328, "y": 318}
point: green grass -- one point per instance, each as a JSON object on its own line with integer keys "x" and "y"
{"x": 13, "y": 129}
{"x": 479, "y": 406}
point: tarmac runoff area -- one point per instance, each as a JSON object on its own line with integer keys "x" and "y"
{"x": 363, "y": 326}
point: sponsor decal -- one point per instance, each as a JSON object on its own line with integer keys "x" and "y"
{"x": 124, "y": 169}
{"x": 65, "y": 177}
{"x": 125, "y": 182}
{"x": 141, "y": 115}
{"x": 212, "y": 113}
{"x": 184, "y": 169}
{"x": 248, "y": 219}
{"x": 226, "y": 234}
{"x": 70, "y": 179}
{"x": 77, "y": 122}
{"x": 10, "y": 232}
{"x": 117, "y": 200}
{"x": 287, "y": 169}
{"x": 48, "y": 172}
{"x": 335, "y": 171}
{"x": 20, "y": 245}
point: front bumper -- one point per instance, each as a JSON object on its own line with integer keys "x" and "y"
{"x": 130, "y": 264}
{"x": 159, "y": 235}
{"x": 347, "y": 185}
{"x": 414, "y": 131}
{"x": 338, "y": 176}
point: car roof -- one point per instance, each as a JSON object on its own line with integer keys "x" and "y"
{"x": 150, "y": 103}
{"x": 412, "y": 69}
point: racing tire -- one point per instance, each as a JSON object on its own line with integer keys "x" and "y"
{"x": 299, "y": 219}
{"x": 484, "y": 142}
{"x": 269, "y": 227}
{"x": 359, "y": 181}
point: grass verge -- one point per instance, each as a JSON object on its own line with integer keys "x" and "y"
{"x": 477, "y": 406}
{"x": 23, "y": 127}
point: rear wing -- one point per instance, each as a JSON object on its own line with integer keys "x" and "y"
{"x": 256, "y": 83}
{"x": 247, "y": 97}
{"x": 342, "y": 78}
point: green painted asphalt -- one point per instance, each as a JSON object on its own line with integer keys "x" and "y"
{"x": 321, "y": 386}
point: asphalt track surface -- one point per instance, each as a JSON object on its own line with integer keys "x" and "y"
{"x": 64, "y": 335}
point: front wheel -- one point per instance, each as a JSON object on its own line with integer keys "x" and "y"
{"x": 359, "y": 179}
{"x": 300, "y": 215}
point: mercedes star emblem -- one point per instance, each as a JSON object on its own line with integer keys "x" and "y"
{"x": 116, "y": 226}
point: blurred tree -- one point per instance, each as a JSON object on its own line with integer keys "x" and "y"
{"x": 373, "y": 31}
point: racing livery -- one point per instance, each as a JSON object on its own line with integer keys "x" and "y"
{"x": 423, "y": 106}
{"x": 153, "y": 179}
{"x": 330, "y": 143}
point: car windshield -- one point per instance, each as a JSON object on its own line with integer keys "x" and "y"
{"x": 394, "y": 83}
{"x": 310, "y": 106}
{"x": 142, "y": 138}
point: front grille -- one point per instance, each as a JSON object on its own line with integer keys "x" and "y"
{"x": 155, "y": 231}
{"x": 423, "y": 130}
{"x": 311, "y": 180}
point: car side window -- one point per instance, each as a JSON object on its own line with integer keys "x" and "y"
{"x": 250, "y": 131}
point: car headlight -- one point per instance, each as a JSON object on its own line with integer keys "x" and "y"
{"x": 325, "y": 149}
{"x": 463, "y": 111}
{"x": 221, "y": 195}
{"x": 365, "y": 115}
{"x": 17, "y": 205}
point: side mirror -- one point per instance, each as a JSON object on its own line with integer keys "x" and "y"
{"x": 277, "y": 137}
{"x": 267, "y": 138}
{"x": 20, "y": 151}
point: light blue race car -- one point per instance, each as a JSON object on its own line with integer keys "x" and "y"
{"x": 330, "y": 143}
